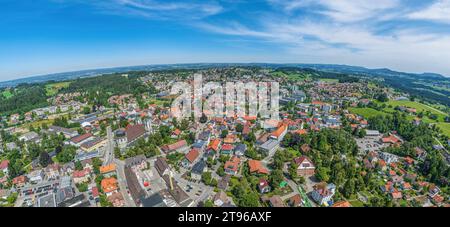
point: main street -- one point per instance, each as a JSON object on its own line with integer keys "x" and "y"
{"x": 109, "y": 151}
{"x": 129, "y": 202}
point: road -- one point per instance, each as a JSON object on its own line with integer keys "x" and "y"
{"x": 129, "y": 202}
{"x": 109, "y": 151}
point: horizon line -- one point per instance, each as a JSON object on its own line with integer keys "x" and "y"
{"x": 205, "y": 63}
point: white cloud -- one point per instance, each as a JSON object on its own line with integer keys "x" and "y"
{"x": 306, "y": 40}
{"x": 439, "y": 11}
{"x": 341, "y": 10}
{"x": 204, "y": 8}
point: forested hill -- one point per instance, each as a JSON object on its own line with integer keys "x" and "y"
{"x": 26, "y": 97}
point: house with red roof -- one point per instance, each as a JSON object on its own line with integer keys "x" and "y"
{"x": 214, "y": 146}
{"x": 179, "y": 146}
{"x": 134, "y": 132}
{"x": 227, "y": 149}
{"x": 4, "y": 166}
{"x": 342, "y": 204}
{"x": 391, "y": 139}
{"x": 19, "y": 181}
{"x": 176, "y": 133}
{"x": 80, "y": 139}
{"x": 232, "y": 166}
{"x": 279, "y": 133}
{"x": 81, "y": 176}
{"x": 396, "y": 194}
{"x": 190, "y": 158}
{"x": 256, "y": 166}
{"x": 305, "y": 166}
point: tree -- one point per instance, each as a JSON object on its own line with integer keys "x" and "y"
{"x": 44, "y": 159}
{"x": 239, "y": 128}
{"x": 251, "y": 137}
{"x": 78, "y": 166}
{"x": 382, "y": 97}
{"x": 293, "y": 170}
{"x": 276, "y": 178}
{"x": 224, "y": 133}
{"x": 322, "y": 174}
{"x": 86, "y": 110}
{"x": 206, "y": 178}
{"x": 250, "y": 200}
{"x": 208, "y": 203}
{"x": 362, "y": 133}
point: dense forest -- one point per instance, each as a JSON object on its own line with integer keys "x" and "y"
{"x": 424, "y": 92}
{"x": 99, "y": 89}
{"x": 24, "y": 98}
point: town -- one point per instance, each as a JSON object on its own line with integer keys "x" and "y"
{"x": 112, "y": 141}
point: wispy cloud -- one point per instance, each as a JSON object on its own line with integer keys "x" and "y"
{"x": 353, "y": 33}
{"x": 154, "y": 9}
{"x": 340, "y": 10}
{"x": 439, "y": 11}
{"x": 378, "y": 33}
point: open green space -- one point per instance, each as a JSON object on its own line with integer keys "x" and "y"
{"x": 52, "y": 89}
{"x": 7, "y": 94}
{"x": 418, "y": 106}
{"x": 366, "y": 112}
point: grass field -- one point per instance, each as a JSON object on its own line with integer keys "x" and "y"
{"x": 369, "y": 112}
{"x": 39, "y": 123}
{"x": 7, "y": 94}
{"x": 445, "y": 128}
{"x": 366, "y": 112}
{"x": 329, "y": 80}
{"x": 292, "y": 76}
{"x": 52, "y": 89}
{"x": 418, "y": 106}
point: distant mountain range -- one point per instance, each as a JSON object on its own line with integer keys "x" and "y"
{"x": 356, "y": 70}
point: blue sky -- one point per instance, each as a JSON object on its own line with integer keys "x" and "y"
{"x": 47, "y": 36}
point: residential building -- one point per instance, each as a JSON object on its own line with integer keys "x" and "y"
{"x": 305, "y": 167}
{"x": 180, "y": 146}
{"x": 232, "y": 166}
{"x": 270, "y": 147}
{"x": 256, "y": 166}
{"x": 190, "y": 158}
{"x": 263, "y": 186}
{"x": 109, "y": 186}
{"x": 198, "y": 169}
{"x": 323, "y": 193}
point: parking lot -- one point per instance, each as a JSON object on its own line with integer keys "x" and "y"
{"x": 369, "y": 143}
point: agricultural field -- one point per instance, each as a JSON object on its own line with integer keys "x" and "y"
{"x": 52, "y": 89}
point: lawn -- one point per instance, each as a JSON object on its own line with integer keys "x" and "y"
{"x": 366, "y": 112}
{"x": 445, "y": 128}
{"x": 52, "y": 89}
{"x": 329, "y": 80}
{"x": 356, "y": 203}
{"x": 7, "y": 94}
{"x": 39, "y": 123}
